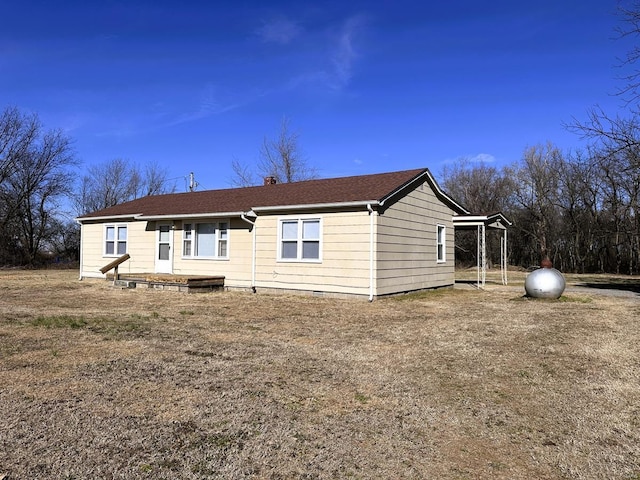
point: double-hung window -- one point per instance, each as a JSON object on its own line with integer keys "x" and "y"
{"x": 115, "y": 240}
{"x": 441, "y": 244}
{"x": 205, "y": 240}
{"x": 299, "y": 239}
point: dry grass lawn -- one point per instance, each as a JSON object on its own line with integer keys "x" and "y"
{"x": 99, "y": 382}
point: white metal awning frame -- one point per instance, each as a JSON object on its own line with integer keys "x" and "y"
{"x": 480, "y": 223}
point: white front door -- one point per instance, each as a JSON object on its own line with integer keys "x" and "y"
{"x": 164, "y": 242}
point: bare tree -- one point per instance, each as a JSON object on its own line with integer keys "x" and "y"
{"x": 116, "y": 181}
{"x": 614, "y": 153}
{"x": 65, "y": 240}
{"x": 154, "y": 180}
{"x": 280, "y": 158}
{"x": 243, "y": 176}
{"x": 612, "y": 133}
{"x": 37, "y": 178}
{"x": 579, "y": 203}
{"x": 630, "y": 28}
{"x": 17, "y": 133}
{"x": 480, "y": 187}
{"x": 536, "y": 195}
{"x": 483, "y": 189}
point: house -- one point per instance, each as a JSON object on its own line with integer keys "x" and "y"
{"x": 368, "y": 235}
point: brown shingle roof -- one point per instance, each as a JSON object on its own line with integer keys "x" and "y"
{"x": 362, "y": 188}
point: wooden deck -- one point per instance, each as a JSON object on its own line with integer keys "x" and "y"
{"x": 161, "y": 281}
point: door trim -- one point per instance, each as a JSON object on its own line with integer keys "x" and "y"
{"x": 164, "y": 266}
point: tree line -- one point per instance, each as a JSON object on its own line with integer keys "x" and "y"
{"x": 40, "y": 192}
{"x": 38, "y": 186}
{"x": 578, "y": 208}
{"x": 581, "y": 208}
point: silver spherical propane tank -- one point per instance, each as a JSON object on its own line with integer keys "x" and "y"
{"x": 546, "y": 282}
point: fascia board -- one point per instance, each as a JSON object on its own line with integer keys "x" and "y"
{"x": 500, "y": 217}
{"x": 315, "y": 206}
{"x": 188, "y": 215}
{"x": 131, "y": 216}
{"x": 470, "y": 218}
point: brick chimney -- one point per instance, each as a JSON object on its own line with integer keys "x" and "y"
{"x": 270, "y": 180}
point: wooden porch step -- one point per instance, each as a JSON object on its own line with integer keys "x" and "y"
{"x": 188, "y": 283}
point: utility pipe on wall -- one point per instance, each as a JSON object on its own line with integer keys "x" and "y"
{"x": 253, "y": 251}
{"x": 81, "y": 277}
{"x": 371, "y": 244}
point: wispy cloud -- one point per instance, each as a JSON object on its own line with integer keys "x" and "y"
{"x": 330, "y": 65}
{"x": 470, "y": 159}
{"x": 340, "y": 49}
{"x": 279, "y": 30}
{"x": 482, "y": 158}
{"x": 208, "y": 102}
{"x": 346, "y": 51}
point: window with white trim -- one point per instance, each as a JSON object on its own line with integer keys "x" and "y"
{"x": 115, "y": 240}
{"x": 299, "y": 239}
{"x": 441, "y": 244}
{"x": 205, "y": 240}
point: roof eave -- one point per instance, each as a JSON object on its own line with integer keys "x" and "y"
{"x": 131, "y": 216}
{"x": 312, "y": 206}
{"x": 495, "y": 220}
{"x": 188, "y": 215}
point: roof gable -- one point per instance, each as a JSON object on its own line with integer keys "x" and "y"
{"x": 375, "y": 188}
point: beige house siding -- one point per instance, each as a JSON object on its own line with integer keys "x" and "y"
{"x": 139, "y": 243}
{"x": 141, "y": 246}
{"x": 344, "y": 267}
{"x": 406, "y": 256}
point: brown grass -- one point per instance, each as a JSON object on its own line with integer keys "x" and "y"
{"x": 98, "y": 382}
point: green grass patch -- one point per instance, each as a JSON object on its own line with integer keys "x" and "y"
{"x": 574, "y": 299}
{"x": 135, "y": 325}
{"x": 59, "y": 321}
{"x": 361, "y": 398}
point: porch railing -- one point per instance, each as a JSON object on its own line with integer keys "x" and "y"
{"x": 114, "y": 265}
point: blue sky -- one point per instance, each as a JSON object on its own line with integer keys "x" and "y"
{"x": 369, "y": 86}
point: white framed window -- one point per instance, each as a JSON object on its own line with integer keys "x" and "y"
{"x": 300, "y": 239}
{"x": 223, "y": 239}
{"x": 187, "y": 240}
{"x": 205, "y": 240}
{"x": 115, "y": 240}
{"x": 441, "y": 243}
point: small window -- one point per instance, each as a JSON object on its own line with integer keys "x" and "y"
{"x": 300, "y": 239}
{"x": 186, "y": 240}
{"x": 222, "y": 240}
{"x": 289, "y": 247}
{"x": 311, "y": 239}
{"x": 440, "y": 242}
{"x": 115, "y": 243}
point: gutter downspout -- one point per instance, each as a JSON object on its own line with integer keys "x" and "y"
{"x": 371, "y": 243}
{"x": 80, "y": 277}
{"x": 253, "y": 251}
